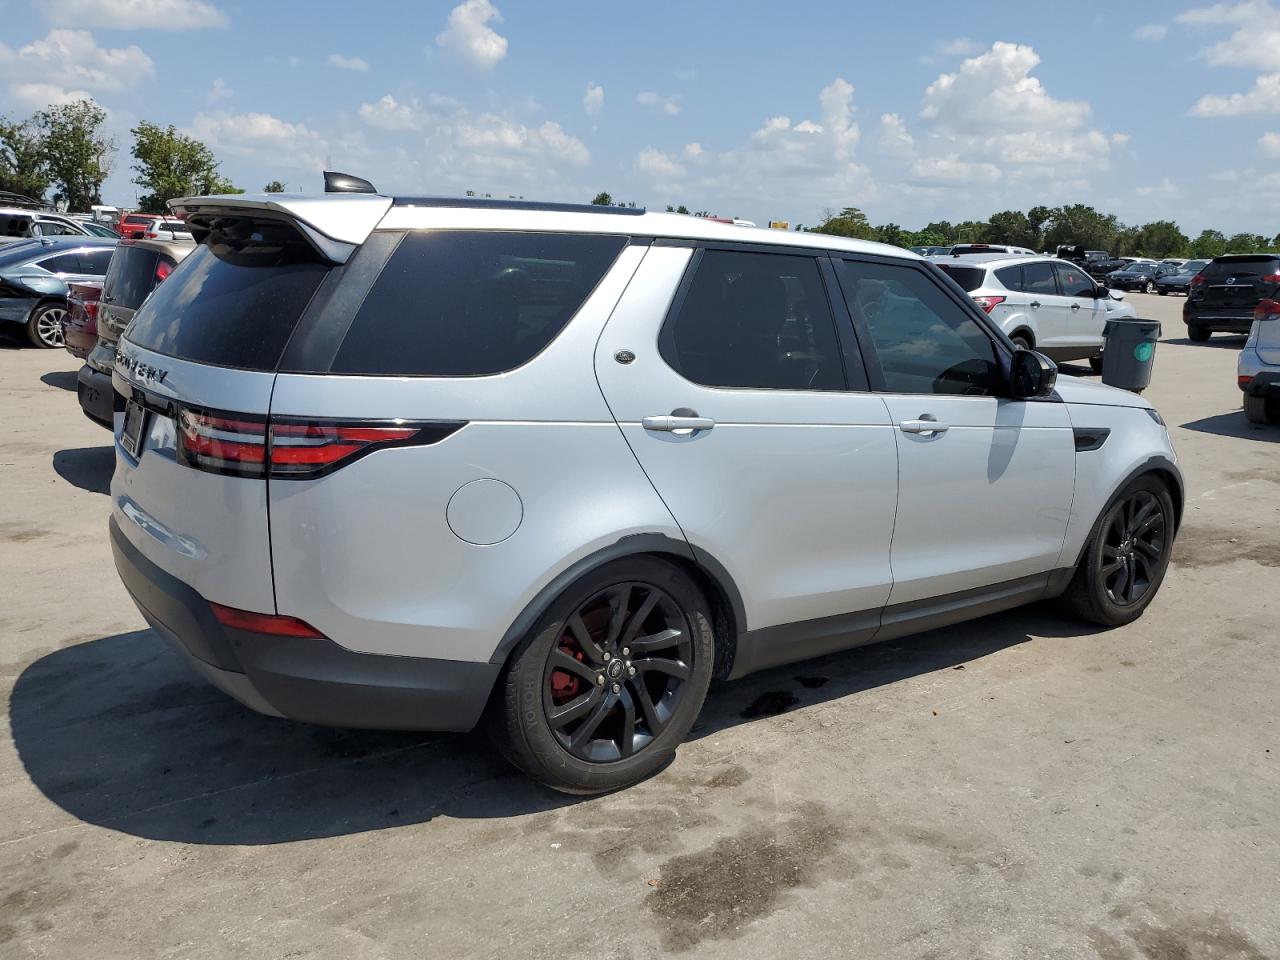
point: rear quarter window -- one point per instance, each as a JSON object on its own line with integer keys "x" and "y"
{"x": 969, "y": 278}
{"x": 470, "y": 303}
{"x": 130, "y": 276}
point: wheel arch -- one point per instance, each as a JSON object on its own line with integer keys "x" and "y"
{"x": 1159, "y": 466}
{"x": 709, "y": 574}
{"x": 1024, "y": 328}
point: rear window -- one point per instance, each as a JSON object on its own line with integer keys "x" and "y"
{"x": 236, "y": 299}
{"x": 457, "y": 303}
{"x": 130, "y": 276}
{"x": 1242, "y": 267}
{"x": 969, "y": 278}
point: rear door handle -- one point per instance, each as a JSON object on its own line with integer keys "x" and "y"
{"x": 1075, "y": 307}
{"x": 926, "y": 424}
{"x": 677, "y": 425}
{"x": 1035, "y": 304}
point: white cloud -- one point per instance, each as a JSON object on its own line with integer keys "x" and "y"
{"x": 593, "y": 99}
{"x": 659, "y": 166}
{"x": 1224, "y": 12}
{"x": 390, "y": 114}
{"x": 133, "y": 14}
{"x": 347, "y": 63}
{"x": 1263, "y": 98}
{"x": 261, "y": 137}
{"x": 73, "y": 60}
{"x": 668, "y": 105}
{"x": 1119, "y": 139}
{"x": 1164, "y": 190}
{"x": 960, "y": 47}
{"x": 1270, "y": 143}
{"x": 694, "y": 152}
{"x": 1151, "y": 32}
{"x": 37, "y": 96}
{"x": 894, "y": 138}
{"x": 219, "y": 91}
{"x": 951, "y": 169}
{"x": 470, "y": 35}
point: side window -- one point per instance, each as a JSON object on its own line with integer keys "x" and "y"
{"x": 95, "y": 262}
{"x": 1011, "y": 277}
{"x": 469, "y": 303}
{"x": 925, "y": 342}
{"x": 62, "y": 263}
{"x": 755, "y": 320}
{"x": 1037, "y": 277}
{"x": 1073, "y": 281}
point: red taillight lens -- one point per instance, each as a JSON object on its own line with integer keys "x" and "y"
{"x": 988, "y": 303}
{"x": 91, "y": 309}
{"x": 1267, "y": 310}
{"x": 1243, "y": 382}
{"x": 163, "y": 269}
{"x": 269, "y": 623}
{"x": 309, "y": 449}
{"x": 1198, "y": 279}
{"x": 233, "y": 445}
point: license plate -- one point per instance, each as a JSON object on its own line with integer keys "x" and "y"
{"x": 135, "y": 424}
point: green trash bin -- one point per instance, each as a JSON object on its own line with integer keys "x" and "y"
{"x": 1129, "y": 352}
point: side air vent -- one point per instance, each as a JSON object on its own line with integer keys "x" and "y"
{"x": 345, "y": 183}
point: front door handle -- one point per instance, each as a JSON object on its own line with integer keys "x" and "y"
{"x": 1075, "y": 307}
{"x": 1034, "y": 304}
{"x": 679, "y": 425}
{"x": 926, "y": 424}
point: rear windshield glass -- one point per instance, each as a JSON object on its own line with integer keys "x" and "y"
{"x": 130, "y": 277}
{"x": 970, "y": 278}
{"x": 235, "y": 300}
{"x": 1242, "y": 267}
{"x": 457, "y": 304}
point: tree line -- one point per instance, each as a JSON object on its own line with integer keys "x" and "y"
{"x": 63, "y": 153}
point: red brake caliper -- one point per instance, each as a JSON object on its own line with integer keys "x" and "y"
{"x": 564, "y": 685}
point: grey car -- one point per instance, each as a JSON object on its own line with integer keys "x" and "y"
{"x": 34, "y": 274}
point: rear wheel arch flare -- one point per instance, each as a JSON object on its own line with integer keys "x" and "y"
{"x": 1025, "y": 333}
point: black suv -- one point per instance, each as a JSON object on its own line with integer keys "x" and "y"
{"x": 1222, "y": 295}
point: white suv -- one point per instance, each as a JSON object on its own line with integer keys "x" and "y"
{"x": 405, "y": 463}
{"x": 1042, "y": 303}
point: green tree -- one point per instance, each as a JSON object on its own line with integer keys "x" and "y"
{"x": 893, "y": 234}
{"x": 1014, "y": 228}
{"x": 1128, "y": 242}
{"x": 1210, "y": 243}
{"x": 1246, "y": 243}
{"x": 1162, "y": 238}
{"x": 940, "y": 228}
{"x": 1081, "y": 224}
{"x": 971, "y": 231}
{"x": 849, "y": 222}
{"x": 170, "y": 164}
{"x": 23, "y": 167}
{"x": 275, "y": 186}
{"x": 929, "y": 238}
{"x": 603, "y": 199}
{"x": 680, "y": 209}
{"x": 79, "y": 154}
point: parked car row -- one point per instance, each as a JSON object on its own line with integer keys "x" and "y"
{"x": 34, "y": 278}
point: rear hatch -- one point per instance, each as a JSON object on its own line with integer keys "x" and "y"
{"x": 1230, "y": 287}
{"x": 189, "y": 489}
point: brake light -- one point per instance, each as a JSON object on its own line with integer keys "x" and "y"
{"x": 308, "y": 449}
{"x": 1270, "y": 278}
{"x": 270, "y": 623}
{"x": 1267, "y": 310}
{"x": 163, "y": 269}
{"x": 220, "y": 444}
{"x": 90, "y": 309}
{"x": 151, "y": 235}
{"x": 988, "y": 303}
{"x": 1243, "y": 381}
{"x": 1198, "y": 279}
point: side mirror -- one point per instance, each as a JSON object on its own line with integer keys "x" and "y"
{"x": 1032, "y": 375}
{"x": 1101, "y": 292}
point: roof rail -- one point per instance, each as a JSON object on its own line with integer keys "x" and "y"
{"x": 493, "y": 203}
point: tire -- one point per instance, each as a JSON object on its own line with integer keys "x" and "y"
{"x": 558, "y": 666}
{"x": 1149, "y": 288}
{"x": 1262, "y": 410}
{"x": 1021, "y": 339}
{"x": 1163, "y": 292}
{"x": 1198, "y": 333}
{"x": 44, "y": 325}
{"x": 1095, "y": 363}
{"x": 1136, "y": 531}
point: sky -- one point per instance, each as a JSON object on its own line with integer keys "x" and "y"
{"x": 912, "y": 112}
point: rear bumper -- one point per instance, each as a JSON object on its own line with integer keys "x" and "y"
{"x": 1265, "y": 384}
{"x": 96, "y": 395}
{"x": 314, "y": 681}
{"x": 1239, "y": 323}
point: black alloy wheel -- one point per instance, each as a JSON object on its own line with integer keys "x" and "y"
{"x": 618, "y": 672}
{"x": 1133, "y": 544}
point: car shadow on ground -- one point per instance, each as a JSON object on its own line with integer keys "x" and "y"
{"x": 88, "y": 468}
{"x": 1235, "y": 424}
{"x": 1233, "y": 341}
{"x": 120, "y": 733}
{"x": 62, "y": 379}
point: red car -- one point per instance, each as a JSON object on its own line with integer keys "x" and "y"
{"x": 80, "y": 324}
{"x": 135, "y": 225}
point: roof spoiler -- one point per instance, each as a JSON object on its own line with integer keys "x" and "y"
{"x": 335, "y": 182}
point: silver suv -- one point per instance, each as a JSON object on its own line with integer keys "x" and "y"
{"x": 408, "y": 463}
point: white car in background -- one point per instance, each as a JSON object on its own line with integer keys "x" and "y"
{"x": 1258, "y": 370}
{"x": 1042, "y": 303}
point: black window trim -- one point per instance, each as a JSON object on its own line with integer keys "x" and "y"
{"x": 851, "y": 363}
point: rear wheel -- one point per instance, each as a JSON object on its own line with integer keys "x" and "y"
{"x": 44, "y": 326}
{"x": 1149, "y": 288}
{"x": 1128, "y": 554}
{"x": 1022, "y": 339}
{"x": 1262, "y": 410}
{"x": 1198, "y": 333}
{"x": 610, "y": 681}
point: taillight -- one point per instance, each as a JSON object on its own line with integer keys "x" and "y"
{"x": 249, "y": 446}
{"x": 1243, "y": 381}
{"x": 91, "y": 309}
{"x": 163, "y": 269}
{"x": 1198, "y": 279}
{"x": 235, "y": 445}
{"x": 1270, "y": 278}
{"x": 303, "y": 450}
{"x": 274, "y": 624}
{"x": 151, "y": 235}
{"x": 1267, "y": 310}
{"x": 988, "y": 303}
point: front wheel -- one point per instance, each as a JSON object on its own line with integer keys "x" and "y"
{"x": 1198, "y": 333}
{"x": 1127, "y": 556}
{"x": 610, "y": 681}
{"x": 1262, "y": 410}
{"x": 44, "y": 326}
{"x": 1149, "y": 288}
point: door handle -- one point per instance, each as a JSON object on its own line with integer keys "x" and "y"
{"x": 926, "y": 424}
{"x": 679, "y": 425}
{"x": 1034, "y": 304}
{"x": 1075, "y": 307}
